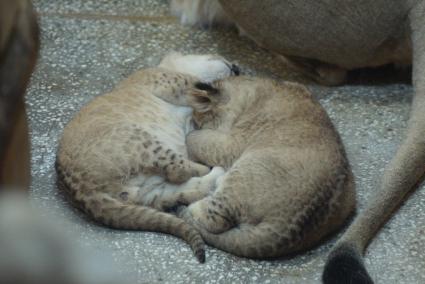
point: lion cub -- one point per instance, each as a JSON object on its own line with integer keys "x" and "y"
{"x": 123, "y": 157}
{"x": 288, "y": 182}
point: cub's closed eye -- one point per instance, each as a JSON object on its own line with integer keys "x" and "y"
{"x": 203, "y": 100}
{"x": 206, "y": 87}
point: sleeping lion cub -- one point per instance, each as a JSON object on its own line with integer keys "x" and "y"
{"x": 288, "y": 182}
{"x": 123, "y": 157}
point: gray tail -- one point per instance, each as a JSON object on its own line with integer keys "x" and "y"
{"x": 345, "y": 266}
{"x": 119, "y": 215}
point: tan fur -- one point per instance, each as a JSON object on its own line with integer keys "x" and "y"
{"x": 321, "y": 40}
{"x": 326, "y": 38}
{"x": 123, "y": 155}
{"x": 288, "y": 183}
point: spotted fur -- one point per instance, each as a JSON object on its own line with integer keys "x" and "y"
{"x": 288, "y": 182}
{"x": 123, "y": 157}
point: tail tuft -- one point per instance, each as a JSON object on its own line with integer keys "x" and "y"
{"x": 196, "y": 243}
{"x": 200, "y": 255}
{"x": 345, "y": 266}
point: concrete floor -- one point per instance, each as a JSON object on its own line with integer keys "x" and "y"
{"x": 88, "y": 46}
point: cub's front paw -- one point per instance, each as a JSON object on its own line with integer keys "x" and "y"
{"x": 185, "y": 171}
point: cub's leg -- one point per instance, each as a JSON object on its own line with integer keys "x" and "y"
{"x": 181, "y": 170}
{"x": 212, "y": 147}
{"x": 407, "y": 168}
{"x": 205, "y": 215}
{"x": 168, "y": 195}
{"x": 212, "y": 213}
{"x": 146, "y": 153}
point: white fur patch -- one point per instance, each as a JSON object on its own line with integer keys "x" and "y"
{"x": 207, "y": 68}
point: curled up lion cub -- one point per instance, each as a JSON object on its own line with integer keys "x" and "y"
{"x": 288, "y": 182}
{"x": 123, "y": 157}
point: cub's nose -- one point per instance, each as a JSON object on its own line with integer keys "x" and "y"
{"x": 235, "y": 70}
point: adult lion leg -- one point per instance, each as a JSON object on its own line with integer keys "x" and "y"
{"x": 345, "y": 264}
{"x": 203, "y": 13}
{"x": 18, "y": 53}
{"x": 323, "y": 73}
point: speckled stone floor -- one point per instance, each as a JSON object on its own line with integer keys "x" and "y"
{"x": 89, "y": 45}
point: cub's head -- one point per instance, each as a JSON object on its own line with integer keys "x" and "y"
{"x": 221, "y": 102}
{"x": 207, "y": 68}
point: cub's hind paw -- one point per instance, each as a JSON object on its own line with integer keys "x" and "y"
{"x": 205, "y": 217}
{"x": 180, "y": 211}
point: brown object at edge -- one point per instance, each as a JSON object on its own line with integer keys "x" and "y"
{"x": 18, "y": 52}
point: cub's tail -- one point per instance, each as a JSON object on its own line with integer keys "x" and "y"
{"x": 345, "y": 266}
{"x": 118, "y": 215}
{"x": 251, "y": 241}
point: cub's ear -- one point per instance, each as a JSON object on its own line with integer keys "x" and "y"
{"x": 203, "y": 97}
